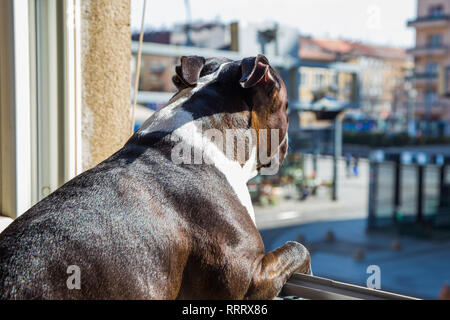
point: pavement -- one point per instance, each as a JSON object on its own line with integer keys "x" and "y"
{"x": 352, "y": 200}
{"x": 341, "y": 248}
{"x": 413, "y": 266}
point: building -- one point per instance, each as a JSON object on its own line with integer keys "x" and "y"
{"x": 318, "y": 79}
{"x": 157, "y": 70}
{"x": 432, "y": 65}
{"x": 213, "y": 35}
{"x": 156, "y": 73}
{"x": 211, "y": 39}
{"x": 382, "y": 73}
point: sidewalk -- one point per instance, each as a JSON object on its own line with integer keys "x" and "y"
{"x": 351, "y": 203}
{"x": 418, "y": 267}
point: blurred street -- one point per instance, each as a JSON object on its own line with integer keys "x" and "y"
{"x": 335, "y": 232}
{"x": 351, "y": 203}
{"x": 411, "y": 266}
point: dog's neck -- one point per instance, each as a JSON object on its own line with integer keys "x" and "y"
{"x": 237, "y": 174}
{"x": 190, "y": 136}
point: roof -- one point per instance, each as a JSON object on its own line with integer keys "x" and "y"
{"x": 320, "y": 49}
{"x": 336, "y": 46}
{"x": 316, "y": 55}
{"x": 314, "y": 49}
{"x": 384, "y": 52}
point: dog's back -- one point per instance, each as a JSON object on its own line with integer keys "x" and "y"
{"x": 99, "y": 222}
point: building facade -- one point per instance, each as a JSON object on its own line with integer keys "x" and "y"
{"x": 382, "y": 73}
{"x": 432, "y": 65}
{"x": 156, "y": 73}
{"x": 157, "y": 70}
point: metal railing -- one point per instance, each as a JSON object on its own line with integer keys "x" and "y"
{"x": 437, "y": 17}
{"x": 315, "y": 288}
{"x": 429, "y": 49}
{"x": 426, "y": 75}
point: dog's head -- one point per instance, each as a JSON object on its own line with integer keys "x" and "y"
{"x": 249, "y": 93}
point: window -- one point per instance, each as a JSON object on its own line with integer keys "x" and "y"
{"x": 436, "y": 10}
{"x": 320, "y": 80}
{"x": 432, "y": 67}
{"x": 302, "y": 78}
{"x": 40, "y": 98}
{"x": 154, "y": 79}
{"x": 447, "y": 80}
{"x": 434, "y": 40}
{"x": 431, "y": 96}
{"x": 58, "y": 93}
{"x": 15, "y": 163}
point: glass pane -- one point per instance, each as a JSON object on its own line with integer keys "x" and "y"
{"x": 385, "y": 190}
{"x": 447, "y": 175}
{"x": 431, "y": 191}
{"x": 408, "y": 192}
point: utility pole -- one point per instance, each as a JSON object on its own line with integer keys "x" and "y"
{"x": 412, "y": 94}
{"x": 187, "y": 6}
{"x": 337, "y": 135}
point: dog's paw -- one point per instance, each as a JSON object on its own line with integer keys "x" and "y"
{"x": 304, "y": 258}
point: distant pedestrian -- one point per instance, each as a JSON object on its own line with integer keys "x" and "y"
{"x": 348, "y": 162}
{"x": 355, "y": 166}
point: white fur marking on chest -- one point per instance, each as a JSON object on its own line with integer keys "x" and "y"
{"x": 236, "y": 175}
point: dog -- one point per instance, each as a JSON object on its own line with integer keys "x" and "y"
{"x": 169, "y": 215}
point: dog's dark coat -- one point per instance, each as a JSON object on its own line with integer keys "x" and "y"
{"x": 141, "y": 227}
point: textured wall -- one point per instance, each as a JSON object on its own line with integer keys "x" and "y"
{"x": 106, "y": 54}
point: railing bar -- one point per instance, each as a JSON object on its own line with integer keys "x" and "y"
{"x": 312, "y": 287}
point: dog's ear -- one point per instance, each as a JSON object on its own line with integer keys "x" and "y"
{"x": 188, "y": 72}
{"x": 255, "y": 71}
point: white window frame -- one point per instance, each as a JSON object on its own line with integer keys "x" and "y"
{"x": 58, "y": 93}
{"x": 15, "y": 107}
{"x": 40, "y": 137}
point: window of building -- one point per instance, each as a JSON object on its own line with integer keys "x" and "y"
{"x": 432, "y": 67}
{"x": 154, "y": 79}
{"x": 320, "y": 80}
{"x": 447, "y": 81}
{"x": 435, "y": 40}
{"x": 431, "y": 96}
{"x": 436, "y": 10}
{"x": 302, "y": 78}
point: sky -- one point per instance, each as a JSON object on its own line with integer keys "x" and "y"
{"x": 373, "y": 21}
